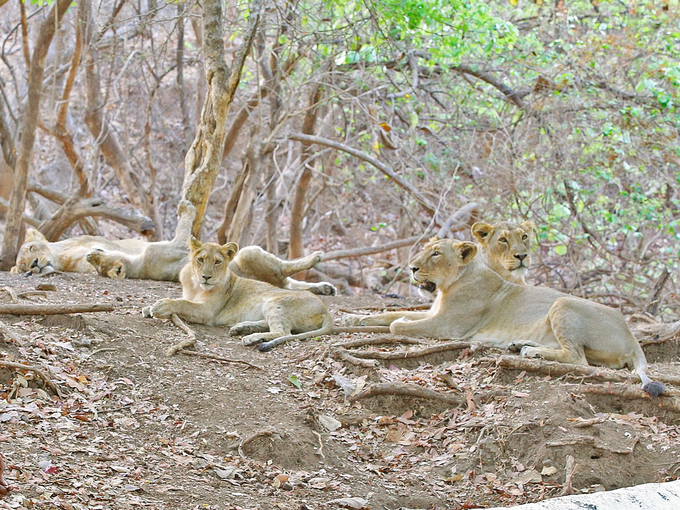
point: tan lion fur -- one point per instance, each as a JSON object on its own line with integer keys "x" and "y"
{"x": 215, "y": 295}
{"x": 474, "y": 303}
{"x": 505, "y": 247}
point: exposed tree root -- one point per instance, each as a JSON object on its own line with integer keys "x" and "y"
{"x": 48, "y": 309}
{"x": 591, "y": 441}
{"x": 28, "y": 293}
{"x": 410, "y": 354}
{"x": 343, "y": 355}
{"x": 184, "y": 344}
{"x": 20, "y": 366}
{"x": 12, "y": 294}
{"x": 569, "y": 470}
{"x": 360, "y": 329}
{"x": 11, "y": 334}
{"x": 378, "y": 340}
{"x": 406, "y": 390}
{"x": 669, "y": 400}
{"x": 218, "y": 358}
{"x": 555, "y": 368}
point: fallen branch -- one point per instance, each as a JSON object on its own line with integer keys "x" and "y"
{"x": 569, "y": 470}
{"x": 654, "y": 299}
{"x": 12, "y": 295}
{"x": 9, "y": 333}
{"x": 591, "y": 441}
{"x": 406, "y": 390}
{"x": 655, "y": 333}
{"x": 188, "y": 342}
{"x": 28, "y": 293}
{"x": 47, "y": 309}
{"x": 447, "y": 346}
{"x": 580, "y": 423}
{"x": 20, "y": 366}
{"x": 343, "y": 355}
{"x": 378, "y": 340}
{"x": 218, "y": 358}
{"x": 360, "y": 329}
{"x": 555, "y": 368}
{"x": 671, "y": 402}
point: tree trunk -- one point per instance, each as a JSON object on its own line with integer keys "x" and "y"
{"x": 295, "y": 248}
{"x": 203, "y": 160}
{"x": 29, "y": 122}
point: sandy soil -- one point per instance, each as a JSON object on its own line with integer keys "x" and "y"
{"x": 136, "y": 429}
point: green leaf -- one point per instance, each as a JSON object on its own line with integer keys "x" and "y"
{"x": 561, "y": 250}
{"x": 293, "y": 379}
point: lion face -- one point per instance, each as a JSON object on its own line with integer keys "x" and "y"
{"x": 34, "y": 256}
{"x": 210, "y": 261}
{"x": 440, "y": 263}
{"x": 108, "y": 265}
{"x": 506, "y": 246}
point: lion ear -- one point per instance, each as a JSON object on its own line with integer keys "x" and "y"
{"x": 434, "y": 239}
{"x": 33, "y": 235}
{"x": 230, "y": 250}
{"x": 194, "y": 244}
{"x": 528, "y": 226}
{"x": 481, "y": 231}
{"x": 467, "y": 252}
{"x": 117, "y": 271}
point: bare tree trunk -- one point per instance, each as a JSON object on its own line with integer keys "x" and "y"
{"x": 204, "y": 158}
{"x": 295, "y": 248}
{"x": 108, "y": 142}
{"x": 179, "y": 61}
{"x": 29, "y": 122}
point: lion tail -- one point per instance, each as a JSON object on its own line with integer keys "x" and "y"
{"x": 652, "y": 388}
{"x": 325, "y": 329}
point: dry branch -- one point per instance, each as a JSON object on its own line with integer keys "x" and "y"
{"x": 11, "y": 334}
{"x": 664, "y": 402}
{"x": 555, "y": 368}
{"x": 360, "y": 329}
{"x": 569, "y": 470}
{"x": 12, "y": 295}
{"x": 47, "y": 309}
{"x": 36, "y": 371}
{"x": 379, "y": 340}
{"x": 218, "y": 358}
{"x": 655, "y": 333}
{"x": 422, "y": 200}
{"x": 591, "y": 441}
{"x": 406, "y": 390}
{"x": 410, "y": 354}
{"x": 188, "y": 342}
{"x": 29, "y": 220}
{"x": 343, "y": 355}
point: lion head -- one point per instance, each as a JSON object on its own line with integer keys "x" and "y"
{"x": 34, "y": 255}
{"x": 107, "y": 264}
{"x": 505, "y": 247}
{"x": 440, "y": 262}
{"x": 210, "y": 262}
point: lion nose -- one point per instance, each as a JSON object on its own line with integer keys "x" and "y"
{"x": 34, "y": 263}
{"x": 521, "y": 256}
{"x": 206, "y": 277}
{"x": 414, "y": 270}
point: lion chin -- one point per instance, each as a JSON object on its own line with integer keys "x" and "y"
{"x": 428, "y": 286}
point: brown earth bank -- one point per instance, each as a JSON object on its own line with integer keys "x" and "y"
{"x": 136, "y": 429}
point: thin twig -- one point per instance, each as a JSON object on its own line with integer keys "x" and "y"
{"x": 11, "y": 334}
{"x": 343, "y": 355}
{"x": 218, "y": 358}
{"x": 36, "y": 371}
{"x": 188, "y": 342}
{"x": 569, "y": 469}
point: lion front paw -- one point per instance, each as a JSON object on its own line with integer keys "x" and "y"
{"x": 146, "y": 312}
{"x": 162, "y": 309}
{"x": 325, "y": 289}
{"x": 352, "y": 319}
{"x": 530, "y": 352}
{"x": 185, "y": 207}
{"x": 252, "y": 339}
{"x": 316, "y": 257}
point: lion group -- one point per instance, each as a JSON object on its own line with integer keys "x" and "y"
{"x": 480, "y": 293}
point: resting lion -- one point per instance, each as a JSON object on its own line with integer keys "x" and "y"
{"x": 38, "y": 255}
{"x": 164, "y": 261}
{"x": 213, "y": 294}
{"x": 475, "y": 303}
{"x": 505, "y": 248}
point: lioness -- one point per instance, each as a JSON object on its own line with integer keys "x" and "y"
{"x": 215, "y": 295}
{"x": 505, "y": 248}
{"x": 475, "y": 303}
{"x": 38, "y": 255}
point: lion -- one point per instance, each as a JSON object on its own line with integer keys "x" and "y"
{"x": 475, "y": 303}
{"x": 213, "y": 294}
{"x": 39, "y": 256}
{"x": 505, "y": 247}
{"x": 164, "y": 261}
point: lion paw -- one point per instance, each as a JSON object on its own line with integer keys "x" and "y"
{"x": 316, "y": 257}
{"x": 251, "y": 339}
{"x": 324, "y": 289}
{"x": 529, "y": 352}
{"x": 244, "y": 329}
{"x": 146, "y": 312}
{"x": 162, "y": 309}
{"x": 352, "y": 319}
{"x": 185, "y": 207}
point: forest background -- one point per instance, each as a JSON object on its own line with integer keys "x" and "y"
{"x": 356, "y": 124}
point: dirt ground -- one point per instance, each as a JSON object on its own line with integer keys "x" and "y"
{"x": 136, "y": 429}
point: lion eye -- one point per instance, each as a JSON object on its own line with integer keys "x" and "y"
{"x": 435, "y": 253}
{"x": 525, "y": 237}
{"x": 502, "y": 240}
{"x": 31, "y": 248}
{"x": 200, "y": 260}
{"x": 218, "y": 262}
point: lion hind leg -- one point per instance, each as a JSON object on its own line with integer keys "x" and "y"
{"x": 325, "y": 329}
{"x": 567, "y": 354}
{"x": 186, "y": 213}
{"x": 290, "y": 267}
{"x": 320, "y": 288}
{"x": 248, "y": 328}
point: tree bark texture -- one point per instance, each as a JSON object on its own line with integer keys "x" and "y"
{"x": 29, "y": 122}
{"x": 204, "y": 158}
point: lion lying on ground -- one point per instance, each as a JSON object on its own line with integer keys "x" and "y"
{"x": 505, "y": 248}
{"x": 38, "y": 255}
{"x": 164, "y": 261}
{"x": 474, "y": 303}
{"x": 215, "y": 295}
